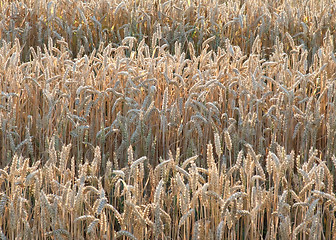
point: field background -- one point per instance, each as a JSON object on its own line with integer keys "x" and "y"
{"x": 167, "y": 119}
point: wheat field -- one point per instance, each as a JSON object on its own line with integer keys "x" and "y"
{"x": 195, "y": 119}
